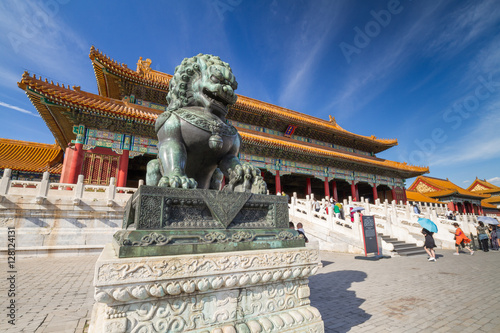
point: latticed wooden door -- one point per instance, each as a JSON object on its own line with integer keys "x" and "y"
{"x": 98, "y": 169}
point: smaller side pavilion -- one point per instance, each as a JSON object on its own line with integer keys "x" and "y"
{"x": 491, "y": 205}
{"x": 444, "y": 191}
{"x": 29, "y": 160}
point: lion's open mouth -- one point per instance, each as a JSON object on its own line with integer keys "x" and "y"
{"x": 216, "y": 99}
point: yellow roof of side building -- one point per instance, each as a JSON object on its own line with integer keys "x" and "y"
{"x": 30, "y": 156}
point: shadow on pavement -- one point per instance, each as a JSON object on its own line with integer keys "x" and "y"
{"x": 326, "y": 263}
{"x": 339, "y": 307}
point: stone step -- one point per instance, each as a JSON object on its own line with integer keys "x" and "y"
{"x": 396, "y": 243}
{"x": 405, "y": 246}
{"x": 417, "y": 251}
{"x": 390, "y": 240}
{"x": 402, "y": 248}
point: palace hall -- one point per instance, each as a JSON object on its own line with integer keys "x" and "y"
{"x": 111, "y": 134}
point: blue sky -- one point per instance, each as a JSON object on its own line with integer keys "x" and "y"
{"x": 426, "y": 72}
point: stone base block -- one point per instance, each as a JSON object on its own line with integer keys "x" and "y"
{"x": 244, "y": 291}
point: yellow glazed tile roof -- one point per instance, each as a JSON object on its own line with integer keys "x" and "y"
{"x": 283, "y": 143}
{"x": 151, "y": 78}
{"x": 419, "y": 197}
{"x": 443, "y": 187}
{"x": 30, "y": 156}
{"x": 144, "y": 74}
{"x": 483, "y": 187}
{"x": 493, "y": 200}
{"x": 88, "y": 101}
{"x": 115, "y": 108}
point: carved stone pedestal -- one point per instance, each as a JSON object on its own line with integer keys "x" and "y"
{"x": 244, "y": 291}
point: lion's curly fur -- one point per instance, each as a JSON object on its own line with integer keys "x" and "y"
{"x": 189, "y": 71}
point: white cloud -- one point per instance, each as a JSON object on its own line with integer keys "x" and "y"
{"x": 307, "y": 49}
{"x": 367, "y": 79}
{"x": 482, "y": 143}
{"x": 35, "y": 38}
{"x": 462, "y": 27}
{"x": 494, "y": 181}
{"x": 13, "y": 107}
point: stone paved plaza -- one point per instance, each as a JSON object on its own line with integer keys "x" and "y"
{"x": 401, "y": 294}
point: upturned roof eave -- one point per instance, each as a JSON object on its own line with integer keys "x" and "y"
{"x": 294, "y": 117}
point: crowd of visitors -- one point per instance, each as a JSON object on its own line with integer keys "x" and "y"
{"x": 488, "y": 235}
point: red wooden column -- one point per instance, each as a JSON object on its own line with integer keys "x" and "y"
{"x": 327, "y": 187}
{"x": 308, "y": 186}
{"x": 357, "y": 193}
{"x": 393, "y": 191}
{"x": 463, "y": 208}
{"x": 334, "y": 190}
{"x": 375, "y": 193}
{"x": 353, "y": 191}
{"x": 123, "y": 169}
{"x": 76, "y": 163}
{"x": 455, "y": 207}
{"x": 404, "y": 195}
{"x": 278, "y": 182}
{"x": 68, "y": 154}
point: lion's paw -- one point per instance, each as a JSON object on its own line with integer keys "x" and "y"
{"x": 178, "y": 182}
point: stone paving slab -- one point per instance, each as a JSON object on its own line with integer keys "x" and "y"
{"x": 400, "y": 294}
{"x": 409, "y": 294}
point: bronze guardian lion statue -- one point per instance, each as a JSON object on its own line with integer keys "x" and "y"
{"x": 196, "y": 146}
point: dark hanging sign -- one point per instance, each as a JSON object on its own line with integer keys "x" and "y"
{"x": 369, "y": 234}
{"x": 289, "y": 130}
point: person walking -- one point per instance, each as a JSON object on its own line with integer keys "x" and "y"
{"x": 461, "y": 240}
{"x": 483, "y": 234}
{"x": 429, "y": 244}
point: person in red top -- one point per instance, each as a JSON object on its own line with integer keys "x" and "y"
{"x": 461, "y": 240}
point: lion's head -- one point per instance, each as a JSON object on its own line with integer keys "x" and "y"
{"x": 203, "y": 80}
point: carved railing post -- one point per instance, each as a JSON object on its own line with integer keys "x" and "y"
{"x": 5, "y": 183}
{"x": 141, "y": 182}
{"x": 78, "y": 190}
{"x": 43, "y": 189}
{"x": 111, "y": 191}
{"x": 345, "y": 208}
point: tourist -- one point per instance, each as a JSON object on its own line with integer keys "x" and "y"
{"x": 416, "y": 210}
{"x": 291, "y": 225}
{"x": 449, "y": 214}
{"x": 341, "y": 209}
{"x": 495, "y": 242}
{"x": 336, "y": 210}
{"x": 429, "y": 244}
{"x": 461, "y": 240}
{"x": 483, "y": 234}
{"x": 300, "y": 229}
{"x": 316, "y": 205}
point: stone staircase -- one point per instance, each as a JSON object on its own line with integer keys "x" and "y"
{"x": 402, "y": 248}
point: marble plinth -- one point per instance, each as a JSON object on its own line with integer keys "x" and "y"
{"x": 243, "y": 291}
